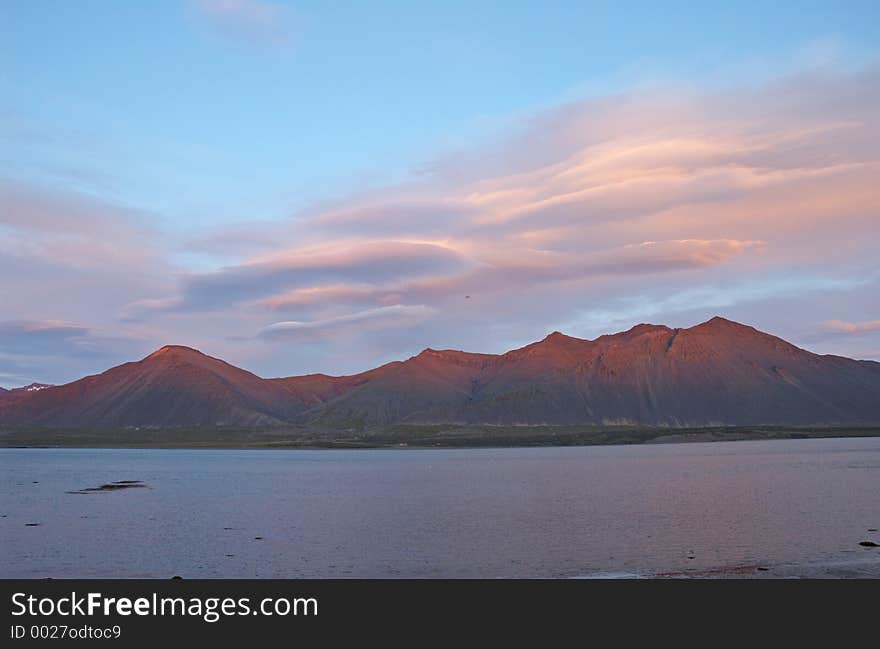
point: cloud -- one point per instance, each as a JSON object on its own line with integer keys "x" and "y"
{"x": 396, "y": 218}
{"x": 70, "y": 229}
{"x": 53, "y": 338}
{"x": 374, "y": 261}
{"x": 55, "y": 351}
{"x": 137, "y": 310}
{"x": 646, "y": 194}
{"x": 383, "y": 273}
{"x": 41, "y": 337}
{"x": 255, "y": 21}
{"x": 69, "y": 262}
{"x": 842, "y": 327}
{"x": 388, "y": 317}
{"x": 82, "y": 254}
{"x": 670, "y": 204}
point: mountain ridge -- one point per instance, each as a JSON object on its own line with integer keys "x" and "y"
{"x": 718, "y": 372}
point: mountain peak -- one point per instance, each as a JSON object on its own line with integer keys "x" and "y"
{"x": 633, "y": 332}
{"x": 175, "y": 351}
{"x": 558, "y": 337}
{"x": 430, "y": 352}
{"x": 646, "y": 326}
{"x": 717, "y": 323}
{"x": 718, "y": 320}
{"x": 719, "y": 371}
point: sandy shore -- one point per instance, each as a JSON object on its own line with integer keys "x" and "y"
{"x": 862, "y": 568}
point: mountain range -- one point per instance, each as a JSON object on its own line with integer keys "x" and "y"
{"x": 716, "y": 373}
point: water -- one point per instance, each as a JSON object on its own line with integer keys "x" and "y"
{"x": 548, "y": 512}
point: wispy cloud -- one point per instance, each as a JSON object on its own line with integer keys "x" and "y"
{"x": 42, "y": 337}
{"x": 70, "y": 261}
{"x": 664, "y": 204}
{"x": 375, "y": 262}
{"x": 843, "y": 327}
{"x": 256, "y": 21}
{"x": 55, "y": 351}
{"x": 640, "y": 193}
{"x": 383, "y": 318}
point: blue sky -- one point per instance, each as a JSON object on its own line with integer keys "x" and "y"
{"x": 176, "y": 123}
{"x": 165, "y": 110}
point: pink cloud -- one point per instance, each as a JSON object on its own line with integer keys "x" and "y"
{"x": 319, "y": 294}
{"x": 316, "y": 266}
{"x": 840, "y": 326}
{"x": 642, "y": 192}
{"x": 669, "y": 204}
{"x": 492, "y": 271}
{"x": 382, "y": 318}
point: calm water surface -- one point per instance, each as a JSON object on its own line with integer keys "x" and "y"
{"x": 548, "y": 512}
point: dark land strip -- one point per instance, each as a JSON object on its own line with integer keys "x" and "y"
{"x": 406, "y": 436}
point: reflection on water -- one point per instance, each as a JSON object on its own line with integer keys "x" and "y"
{"x": 549, "y": 512}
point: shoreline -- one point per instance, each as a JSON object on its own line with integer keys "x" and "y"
{"x": 844, "y": 569}
{"x": 413, "y": 438}
{"x": 863, "y": 568}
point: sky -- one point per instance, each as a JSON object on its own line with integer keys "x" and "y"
{"x": 302, "y": 187}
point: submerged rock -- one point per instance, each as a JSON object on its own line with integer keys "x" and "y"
{"x": 112, "y": 486}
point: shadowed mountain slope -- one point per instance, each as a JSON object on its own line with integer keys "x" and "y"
{"x": 173, "y": 386}
{"x": 719, "y": 372}
{"x": 716, "y": 373}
